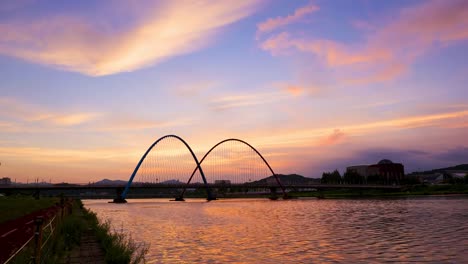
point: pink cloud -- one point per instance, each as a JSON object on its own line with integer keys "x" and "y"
{"x": 274, "y": 23}
{"x": 294, "y": 90}
{"x": 331, "y": 52}
{"x": 333, "y": 138}
{"x": 95, "y": 46}
{"x": 245, "y": 100}
{"x": 387, "y": 51}
{"x": 24, "y": 113}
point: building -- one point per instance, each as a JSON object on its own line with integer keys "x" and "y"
{"x": 5, "y": 181}
{"x": 384, "y": 172}
{"x": 363, "y": 170}
{"x": 222, "y": 182}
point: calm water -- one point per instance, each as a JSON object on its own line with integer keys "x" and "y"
{"x": 431, "y": 230}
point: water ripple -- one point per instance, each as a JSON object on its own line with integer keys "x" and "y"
{"x": 423, "y": 230}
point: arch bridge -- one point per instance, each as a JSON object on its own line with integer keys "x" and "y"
{"x": 232, "y": 164}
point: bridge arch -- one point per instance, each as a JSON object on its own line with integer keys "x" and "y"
{"x": 198, "y": 167}
{"x": 240, "y": 141}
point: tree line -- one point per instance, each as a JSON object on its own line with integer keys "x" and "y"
{"x": 352, "y": 177}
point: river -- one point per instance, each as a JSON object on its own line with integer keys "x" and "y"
{"x": 426, "y": 229}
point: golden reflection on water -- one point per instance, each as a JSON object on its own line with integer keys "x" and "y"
{"x": 432, "y": 230}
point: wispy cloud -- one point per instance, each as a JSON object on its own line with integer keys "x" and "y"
{"x": 19, "y": 116}
{"x": 194, "y": 89}
{"x": 320, "y": 135}
{"x": 455, "y": 155}
{"x": 387, "y": 51}
{"x": 23, "y": 112}
{"x": 278, "y": 22}
{"x": 118, "y": 123}
{"x": 294, "y": 90}
{"x": 333, "y": 138}
{"x": 298, "y": 88}
{"x": 245, "y": 100}
{"x": 99, "y": 47}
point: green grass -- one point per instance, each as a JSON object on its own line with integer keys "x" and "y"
{"x": 118, "y": 247}
{"x": 67, "y": 235}
{"x": 17, "y": 206}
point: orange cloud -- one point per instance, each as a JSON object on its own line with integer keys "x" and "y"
{"x": 274, "y": 23}
{"x": 233, "y": 101}
{"x": 118, "y": 123}
{"x": 294, "y": 90}
{"x": 333, "y": 138}
{"x": 24, "y": 112}
{"x": 389, "y": 72}
{"x": 388, "y": 49}
{"x": 194, "y": 89}
{"x": 318, "y": 136}
{"x": 74, "y": 43}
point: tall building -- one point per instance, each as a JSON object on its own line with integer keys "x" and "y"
{"x": 385, "y": 172}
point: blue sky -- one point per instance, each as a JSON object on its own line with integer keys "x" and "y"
{"x": 315, "y": 85}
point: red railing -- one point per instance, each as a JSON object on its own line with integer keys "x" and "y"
{"x": 33, "y": 231}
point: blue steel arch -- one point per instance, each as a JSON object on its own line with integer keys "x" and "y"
{"x": 198, "y": 167}
{"x": 245, "y": 143}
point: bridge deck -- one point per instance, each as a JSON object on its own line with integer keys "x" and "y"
{"x": 200, "y": 185}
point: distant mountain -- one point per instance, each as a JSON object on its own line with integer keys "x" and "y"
{"x": 65, "y": 184}
{"x": 288, "y": 179}
{"x": 457, "y": 167}
{"x": 462, "y": 167}
{"x": 172, "y": 182}
{"x": 108, "y": 182}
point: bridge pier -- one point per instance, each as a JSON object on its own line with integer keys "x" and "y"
{"x": 119, "y": 198}
{"x": 273, "y": 194}
{"x": 211, "y": 197}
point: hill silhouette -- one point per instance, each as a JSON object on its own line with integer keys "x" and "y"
{"x": 288, "y": 179}
{"x": 456, "y": 167}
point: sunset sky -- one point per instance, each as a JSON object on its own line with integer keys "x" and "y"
{"x": 87, "y": 86}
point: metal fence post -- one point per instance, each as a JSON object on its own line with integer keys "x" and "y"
{"x": 38, "y": 239}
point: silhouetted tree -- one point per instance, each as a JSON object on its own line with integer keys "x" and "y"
{"x": 331, "y": 177}
{"x": 448, "y": 178}
{"x": 411, "y": 179}
{"x": 352, "y": 177}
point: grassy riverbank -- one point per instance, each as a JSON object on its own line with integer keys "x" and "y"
{"x": 116, "y": 247}
{"x": 13, "y": 207}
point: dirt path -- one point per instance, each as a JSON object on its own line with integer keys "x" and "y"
{"x": 89, "y": 251}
